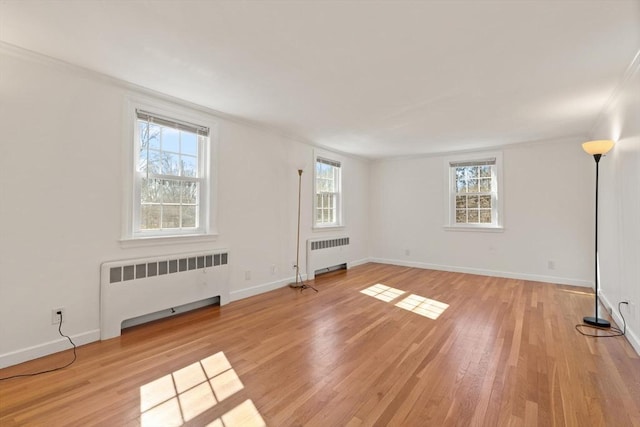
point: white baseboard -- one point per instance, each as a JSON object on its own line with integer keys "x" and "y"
{"x": 45, "y": 349}
{"x": 259, "y": 289}
{"x": 630, "y": 335}
{"x": 484, "y": 272}
{"x": 358, "y": 262}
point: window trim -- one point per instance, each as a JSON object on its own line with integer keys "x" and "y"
{"x": 450, "y": 214}
{"x": 207, "y": 161}
{"x": 329, "y": 157}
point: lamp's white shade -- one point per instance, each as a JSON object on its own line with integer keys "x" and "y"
{"x": 601, "y": 146}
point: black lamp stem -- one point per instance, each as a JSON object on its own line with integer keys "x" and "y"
{"x": 596, "y": 321}
{"x": 296, "y": 284}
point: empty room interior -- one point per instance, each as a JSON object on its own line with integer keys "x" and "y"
{"x": 320, "y": 213}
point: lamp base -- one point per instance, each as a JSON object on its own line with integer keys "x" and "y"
{"x": 296, "y": 285}
{"x": 597, "y": 322}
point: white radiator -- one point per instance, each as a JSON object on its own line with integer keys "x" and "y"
{"x": 326, "y": 253}
{"x": 136, "y": 287}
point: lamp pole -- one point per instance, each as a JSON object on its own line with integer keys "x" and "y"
{"x": 597, "y": 149}
{"x": 295, "y": 285}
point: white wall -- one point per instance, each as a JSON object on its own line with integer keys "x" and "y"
{"x": 61, "y": 179}
{"x": 546, "y": 216}
{"x": 619, "y": 243}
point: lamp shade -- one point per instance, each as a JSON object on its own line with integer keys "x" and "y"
{"x": 601, "y": 146}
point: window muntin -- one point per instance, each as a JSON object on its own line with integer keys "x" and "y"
{"x": 474, "y": 193}
{"x": 327, "y": 203}
{"x": 170, "y": 184}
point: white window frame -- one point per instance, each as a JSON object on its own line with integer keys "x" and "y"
{"x": 338, "y": 223}
{"x": 132, "y": 234}
{"x": 496, "y": 192}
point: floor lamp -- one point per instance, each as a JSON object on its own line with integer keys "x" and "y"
{"x": 299, "y": 284}
{"x": 597, "y": 149}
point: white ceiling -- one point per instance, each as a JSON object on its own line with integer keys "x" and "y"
{"x": 372, "y": 78}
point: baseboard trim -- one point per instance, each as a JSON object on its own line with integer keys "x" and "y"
{"x": 357, "y": 262}
{"x": 484, "y": 272}
{"x": 45, "y": 349}
{"x": 630, "y": 335}
{"x": 259, "y": 289}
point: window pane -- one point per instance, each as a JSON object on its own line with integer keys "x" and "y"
{"x": 485, "y": 201}
{"x": 188, "y": 216}
{"x": 149, "y": 136}
{"x": 170, "y": 216}
{"x": 473, "y": 216}
{"x": 485, "y": 215}
{"x": 170, "y": 164}
{"x": 461, "y": 201}
{"x": 171, "y": 191}
{"x": 472, "y": 171}
{"x": 485, "y": 171}
{"x": 189, "y": 192}
{"x": 150, "y": 191}
{"x": 461, "y": 181}
{"x": 189, "y": 143}
{"x": 472, "y": 201}
{"x": 150, "y": 217}
{"x": 461, "y": 215}
{"x": 473, "y": 186}
{"x": 485, "y": 185}
{"x": 153, "y": 163}
{"x": 189, "y": 166}
{"x": 170, "y": 139}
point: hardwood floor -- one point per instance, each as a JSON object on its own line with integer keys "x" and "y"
{"x": 503, "y": 352}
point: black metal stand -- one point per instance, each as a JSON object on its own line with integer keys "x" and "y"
{"x": 595, "y": 320}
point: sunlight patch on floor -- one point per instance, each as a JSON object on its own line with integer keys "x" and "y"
{"x": 382, "y": 292}
{"x": 415, "y": 303}
{"x": 423, "y": 306}
{"x": 179, "y": 397}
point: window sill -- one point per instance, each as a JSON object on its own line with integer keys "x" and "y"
{"x": 328, "y": 228}
{"x": 166, "y": 240}
{"x": 482, "y": 229}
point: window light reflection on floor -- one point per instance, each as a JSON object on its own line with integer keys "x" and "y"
{"x": 382, "y": 292}
{"x": 181, "y": 396}
{"x": 423, "y": 306}
{"x": 415, "y": 303}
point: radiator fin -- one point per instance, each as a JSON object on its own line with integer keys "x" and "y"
{"x": 329, "y": 243}
{"x": 158, "y": 268}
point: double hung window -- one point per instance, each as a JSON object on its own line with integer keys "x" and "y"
{"x": 327, "y": 203}
{"x": 473, "y": 193}
{"x": 171, "y": 177}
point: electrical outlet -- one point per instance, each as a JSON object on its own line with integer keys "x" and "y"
{"x": 247, "y": 275}
{"x": 274, "y": 269}
{"x": 55, "y": 317}
{"x": 551, "y": 265}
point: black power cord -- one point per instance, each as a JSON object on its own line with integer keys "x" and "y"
{"x": 617, "y": 331}
{"x": 54, "y": 369}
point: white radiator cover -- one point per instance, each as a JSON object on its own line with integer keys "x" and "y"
{"x": 136, "y": 287}
{"x": 325, "y": 253}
